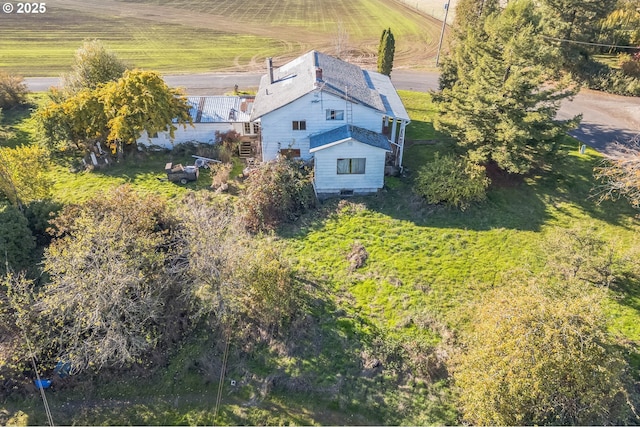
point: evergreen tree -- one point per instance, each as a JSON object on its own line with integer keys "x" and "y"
{"x": 574, "y": 20}
{"x": 386, "y": 51}
{"x": 498, "y": 103}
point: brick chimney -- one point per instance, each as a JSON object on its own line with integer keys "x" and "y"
{"x": 318, "y": 74}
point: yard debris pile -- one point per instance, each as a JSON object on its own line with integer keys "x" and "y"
{"x": 357, "y": 257}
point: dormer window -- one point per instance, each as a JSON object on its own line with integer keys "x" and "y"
{"x": 335, "y": 114}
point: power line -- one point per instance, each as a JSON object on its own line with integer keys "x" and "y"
{"x": 39, "y": 383}
{"x": 615, "y": 46}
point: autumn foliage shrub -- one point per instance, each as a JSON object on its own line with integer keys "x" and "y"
{"x": 277, "y": 192}
{"x": 13, "y": 91}
{"x": 453, "y": 181}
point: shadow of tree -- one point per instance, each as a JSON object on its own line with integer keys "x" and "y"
{"x": 601, "y": 137}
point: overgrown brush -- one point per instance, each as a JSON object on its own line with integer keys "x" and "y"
{"x": 277, "y": 192}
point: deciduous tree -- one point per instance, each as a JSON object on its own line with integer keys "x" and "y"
{"x": 622, "y": 24}
{"x": 141, "y": 101}
{"x": 110, "y": 299}
{"x": 234, "y": 278}
{"x": 619, "y": 174}
{"x": 23, "y": 174}
{"x": 92, "y": 65}
{"x": 116, "y": 112}
{"x": 541, "y": 356}
{"x": 13, "y": 91}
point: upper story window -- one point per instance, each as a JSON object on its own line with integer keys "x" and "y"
{"x": 335, "y": 114}
{"x": 299, "y": 125}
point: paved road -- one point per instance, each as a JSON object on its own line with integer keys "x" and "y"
{"x": 605, "y": 118}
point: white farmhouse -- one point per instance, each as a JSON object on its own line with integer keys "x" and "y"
{"x": 350, "y": 121}
{"x": 210, "y": 114}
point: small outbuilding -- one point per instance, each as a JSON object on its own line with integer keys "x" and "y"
{"x": 349, "y": 160}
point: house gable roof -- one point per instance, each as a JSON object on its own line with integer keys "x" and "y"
{"x": 346, "y": 132}
{"x": 299, "y": 77}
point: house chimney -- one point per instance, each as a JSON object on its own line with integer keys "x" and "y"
{"x": 270, "y": 69}
{"x": 318, "y": 74}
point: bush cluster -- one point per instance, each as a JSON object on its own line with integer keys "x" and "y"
{"x": 452, "y": 181}
{"x": 276, "y": 192}
{"x": 601, "y": 77}
{"x": 13, "y": 91}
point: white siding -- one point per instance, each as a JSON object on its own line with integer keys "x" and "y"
{"x": 200, "y": 132}
{"x": 327, "y": 178}
{"x": 277, "y": 132}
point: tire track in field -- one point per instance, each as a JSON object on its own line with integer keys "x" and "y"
{"x": 420, "y": 50}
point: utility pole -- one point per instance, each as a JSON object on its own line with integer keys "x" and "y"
{"x": 444, "y": 24}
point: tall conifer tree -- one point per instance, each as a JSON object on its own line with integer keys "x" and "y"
{"x": 386, "y": 51}
{"x": 499, "y": 103}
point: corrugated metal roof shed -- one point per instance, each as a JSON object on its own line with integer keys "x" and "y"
{"x": 220, "y": 109}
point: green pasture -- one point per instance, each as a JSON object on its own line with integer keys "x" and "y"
{"x": 426, "y": 266}
{"x": 44, "y": 45}
{"x": 361, "y": 18}
{"x": 198, "y": 36}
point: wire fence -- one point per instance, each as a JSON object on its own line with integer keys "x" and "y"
{"x": 434, "y": 8}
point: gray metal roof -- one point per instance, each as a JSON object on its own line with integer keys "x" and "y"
{"x": 298, "y": 77}
{"x": 388, "y": 94}
{"x": 220, "y": 109}
{"x": 345, "y": 132}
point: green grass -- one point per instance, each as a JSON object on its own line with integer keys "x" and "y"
{"x": 44, "y": 45}
{"x": 612, "y": 60}
{"x": 196, "y": 36}
{"x": 146, "y": 173}
{"x": 362, "y": 18}
{"x": 421, "y": 110}
{"x": 426, "y": 266}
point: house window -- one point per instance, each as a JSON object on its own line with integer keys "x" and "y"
{"x": 256, "y": 128}
{"x": 247, "y": 128}
{"x": 290, "y": 153}
{"x": 299, "y": 125}
{"x": 351, "y": 166}
{"x": 335, "y": 114}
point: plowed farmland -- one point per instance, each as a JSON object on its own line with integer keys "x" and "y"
{"x": 200, "y": 35}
